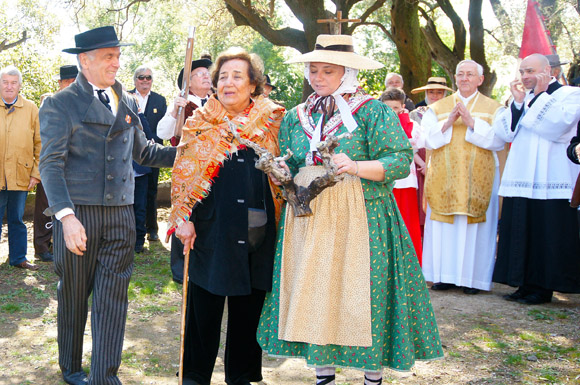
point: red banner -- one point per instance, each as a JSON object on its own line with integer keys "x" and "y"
{"x": 536, "y": 37}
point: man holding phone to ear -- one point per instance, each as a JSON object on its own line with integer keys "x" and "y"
{"x": 538, "y": 237}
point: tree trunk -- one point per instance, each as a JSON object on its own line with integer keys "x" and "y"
{"x": 553, "y": 21}
{"x": 411, "y": 44}
{"x": 443, "y": 55}
{"x": 508, "y": 41}
{"x": 477, "y": 46}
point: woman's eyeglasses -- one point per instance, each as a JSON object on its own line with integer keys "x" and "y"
{"x": 144, "y": 77}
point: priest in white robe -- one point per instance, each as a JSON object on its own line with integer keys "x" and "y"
{"x": 461, "y": 186}
{"x": 539, "y": 243}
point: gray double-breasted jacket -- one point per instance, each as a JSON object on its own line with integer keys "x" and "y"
{"x": 87, "y": 152}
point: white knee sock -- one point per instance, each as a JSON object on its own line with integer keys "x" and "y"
{"x": 326, "y": 371}
{"x": 373, "y": 378}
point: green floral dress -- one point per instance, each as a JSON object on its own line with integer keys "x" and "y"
{"x": 403, "y": 324}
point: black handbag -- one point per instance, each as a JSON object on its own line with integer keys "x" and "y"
{"x": 257, "y": 220}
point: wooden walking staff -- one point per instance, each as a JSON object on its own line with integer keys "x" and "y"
{"x": 177, "y": 133}
{"x": 335, "y": 23}
{"x": 185, "y": 84}
{"x": 575, "y": 201}
{"x": 183, "y": 313}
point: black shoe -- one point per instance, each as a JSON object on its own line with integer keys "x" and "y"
{"x": 189, "y": 381}
{"x": 138, "y": 249}
{"x": 442, "y": 286}
{"x": 470, "y": 290}
{"x": 45, "y": 257}
{"x": 153, "y": 237}
{"x": 535, "y": 299}
{"x": 516, "y": 295}
{"x": 76, "y": 378}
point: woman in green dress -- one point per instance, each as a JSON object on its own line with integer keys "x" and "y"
{"x": 347, "y": 290}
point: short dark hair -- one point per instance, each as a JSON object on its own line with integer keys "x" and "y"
{"x": 255, "y": 67}
{"x": 393, "y": 93}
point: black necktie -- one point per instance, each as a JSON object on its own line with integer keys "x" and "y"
{"x": 104, "y": 98}
{"x": 203, "y": 101}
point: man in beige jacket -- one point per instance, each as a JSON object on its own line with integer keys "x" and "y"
{"x": 19, "y": 154}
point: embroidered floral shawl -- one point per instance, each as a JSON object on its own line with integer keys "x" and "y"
{"x": 207, "y": 142}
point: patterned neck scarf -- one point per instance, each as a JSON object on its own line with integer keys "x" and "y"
{"x": 316, "y": 131}
{"x": 327, "y": 105}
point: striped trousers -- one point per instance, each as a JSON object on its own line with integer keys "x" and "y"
{"x": 104, "y": 270}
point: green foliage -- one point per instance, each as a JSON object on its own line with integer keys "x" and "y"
{"x": 547, "y": 315}
{"x": 514, "y": 359}
{"x": 287, "y": 78}
{"x": 164, "y": 174}
{"x": 10, "y": 308}
{"x": 36, "y": 64}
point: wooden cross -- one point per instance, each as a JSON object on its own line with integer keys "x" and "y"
{"x": 335, "y": 23}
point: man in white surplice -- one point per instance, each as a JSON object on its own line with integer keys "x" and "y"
{"x": 539, "y": 246}
{"x": 461, "y": 186}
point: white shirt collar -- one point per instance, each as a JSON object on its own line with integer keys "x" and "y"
{"x": 195, "y": 99}
{"x": 142, "y": 100}
{"x": 466, "y": 100}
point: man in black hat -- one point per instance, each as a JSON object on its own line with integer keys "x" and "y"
{"x": 268, "y": 87}
{"x": 90, "y": 132}
{"x": 67, "y": 75}
{"x": 42, "y": 229}
{"x": 199, "y": 92}
{"x": 556, "y": 65}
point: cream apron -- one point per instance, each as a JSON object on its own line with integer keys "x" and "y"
{"x": 325, "y": 274}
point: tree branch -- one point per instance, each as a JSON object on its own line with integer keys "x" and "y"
{"x": 289, "y": 37}
{"x": 376, "y": 24}
{"x": 126, "y": 7}
{"x": 571, "y": 40}
{"x": 458, "y": 26}
{"x": 4, "y": 45}
{"x": 378, "y": 4}
{"x": 439, "y": 51}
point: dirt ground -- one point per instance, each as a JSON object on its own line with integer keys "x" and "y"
{"x": 486, "y": 339}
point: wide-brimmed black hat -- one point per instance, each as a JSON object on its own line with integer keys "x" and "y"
{"x": 67, "y": 72}
{"x": 194, "y": 64}
{"x": 555, "y": 60}
{"x": 103, "y": 37}
{"x": 269, "y": 83}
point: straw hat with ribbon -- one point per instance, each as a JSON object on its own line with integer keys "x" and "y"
{"x": 339, "y": 50}
{"x": 433, "y": 83}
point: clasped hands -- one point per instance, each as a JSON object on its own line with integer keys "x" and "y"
{"x": 458, "y": 111}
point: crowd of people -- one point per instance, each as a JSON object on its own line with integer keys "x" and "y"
{"x": 417, "y": 200}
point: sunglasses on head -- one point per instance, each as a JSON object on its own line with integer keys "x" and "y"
{"x": 144, "y": 77}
